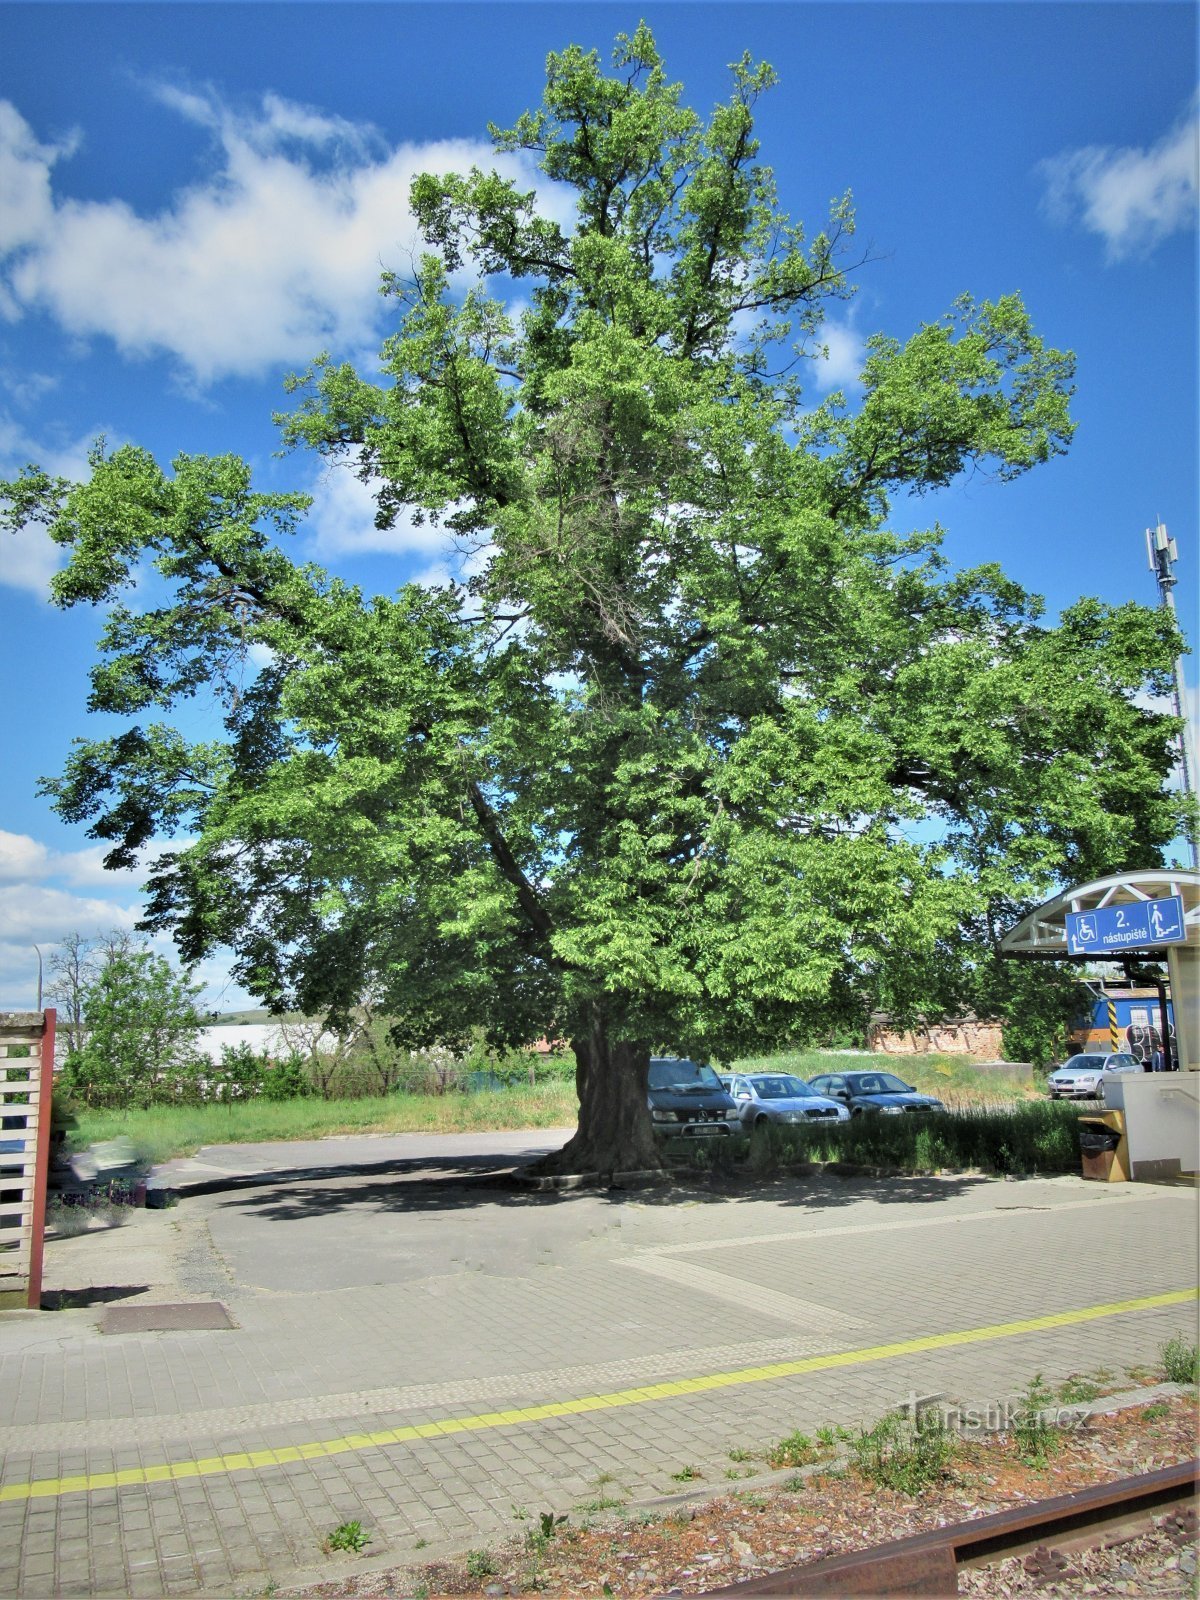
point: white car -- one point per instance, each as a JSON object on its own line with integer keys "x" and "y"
{"x": 1082, "y": 1077}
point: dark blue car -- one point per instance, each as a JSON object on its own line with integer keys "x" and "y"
{"x": 874, "y": 1091}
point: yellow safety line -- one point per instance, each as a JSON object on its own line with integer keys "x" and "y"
{"x": 253, "y": 1460}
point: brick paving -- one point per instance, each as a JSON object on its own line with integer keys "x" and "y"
{"x": 380, "y": 1302}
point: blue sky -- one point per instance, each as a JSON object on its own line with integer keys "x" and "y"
{"x": 196, "y": 199}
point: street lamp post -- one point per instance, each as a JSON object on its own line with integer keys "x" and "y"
{"x": 1160, "y": 548}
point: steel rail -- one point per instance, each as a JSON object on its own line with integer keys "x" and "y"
{"x": 928, "y": 1563}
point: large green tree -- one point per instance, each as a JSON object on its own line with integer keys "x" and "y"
{"x": 713, "y": 748}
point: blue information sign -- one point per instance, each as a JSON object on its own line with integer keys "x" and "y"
{"x": 1112, "y": 929}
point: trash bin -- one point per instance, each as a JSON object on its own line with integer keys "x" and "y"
{"x": 1104, "y": 1147}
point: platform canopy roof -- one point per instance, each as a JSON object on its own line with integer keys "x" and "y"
{"x": 1042, "y": 934}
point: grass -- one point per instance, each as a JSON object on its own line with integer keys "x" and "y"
{"x": 161, "y": 1132}
{"x": 1077, "y": 1390}
{"x": 797, "y": 1450}
{"x": 1181, "y": 1360}
{"x": 904, "y": 1454}
{"x": 1037, "y": 1438}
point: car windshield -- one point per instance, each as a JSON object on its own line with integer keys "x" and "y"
{"x": 1084, "y": 1064}
{"x": 784, "y": 1087}
{"x": 682, "y": 1075}
{"x": 877, "y": 1083}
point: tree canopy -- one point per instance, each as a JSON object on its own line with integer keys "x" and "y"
{"x": 711, "y": 749}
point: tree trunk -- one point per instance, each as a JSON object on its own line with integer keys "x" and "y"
{"x": 615, "y": 1133}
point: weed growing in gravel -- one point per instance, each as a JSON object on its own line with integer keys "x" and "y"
{"x": 904, "y": 1453}
{"x": 348, "y": 1536}
{"x": 1152, "y": 1413}
{"x": 1181, "y": 1360}
{"x": 1037, "y": 1437}
{"x": 797, "y": 1450}
{"x": 600, "y": 1503}
{"x": 480, "y": 1564}
{"x": 537, "y": 1541}
{"x": 1077, "y": 1389}
{"x": 830, "y": 1438}
{"x": 686, "y": 1475}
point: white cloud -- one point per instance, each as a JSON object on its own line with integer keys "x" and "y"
{"x": 1132, "y": 198}
{"x": 23, "y": 858}
{"x": 342, "y": 521}
{"x": 342, "y": 524}
{"x": 28, "y": 557}
{"x": 39, "y": 906}
{"x": 840, "y": 364}
{"x": 41, "y": 914}
{"x": 272, "y": 257}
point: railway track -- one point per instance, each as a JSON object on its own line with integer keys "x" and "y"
{"x": 928, "y": 1563}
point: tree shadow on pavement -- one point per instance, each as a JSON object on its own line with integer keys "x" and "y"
{"x": 446, "y": 1185}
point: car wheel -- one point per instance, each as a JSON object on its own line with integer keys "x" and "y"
{"x": 762, "y": 1121}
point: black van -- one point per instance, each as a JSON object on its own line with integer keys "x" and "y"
{"x": 687, "y": 1100}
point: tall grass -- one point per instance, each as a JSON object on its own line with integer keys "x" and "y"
{"x": 161, "y": 1132}
{"x": 1035, "y": 1137}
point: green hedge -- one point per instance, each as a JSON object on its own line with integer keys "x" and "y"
{"x": 1031, "y": 1137}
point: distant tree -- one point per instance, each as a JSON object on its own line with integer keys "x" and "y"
{"x": 139, "y": 1035}
{"x": 70, "y": 971}
{"x": 712, "y": 749}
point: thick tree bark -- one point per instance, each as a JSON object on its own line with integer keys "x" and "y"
{"x": 615, "y": 1133}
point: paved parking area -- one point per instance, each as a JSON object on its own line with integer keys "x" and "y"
{"x": 428, "y": 1357}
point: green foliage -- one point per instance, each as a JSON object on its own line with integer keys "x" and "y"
{"x": 713, "y": 749}
{"x": 1025, "y": 1137}
{"x": 904, "y": 1453}
{"x": 1038, "y": 1003}
{"x": 348, "y": 1536}
{"x": 1155, "y": 1411}
{"x": 139, "y": 1045}
{"x": 797, "y": 1450}
{"x": 1181, "y": 1360}
{"x": 686, "y": 1475}
{"x": 480, "y": 1564}
{"x": 1035, "y": 1433}
{"x": 1077, "y": 1390}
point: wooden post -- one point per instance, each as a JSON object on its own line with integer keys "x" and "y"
{"x": 26, "y": 1089}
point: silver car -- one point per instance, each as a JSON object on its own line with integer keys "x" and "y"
{"x": 764, "y": 1097}
{"x": 1082, "y": 1077}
